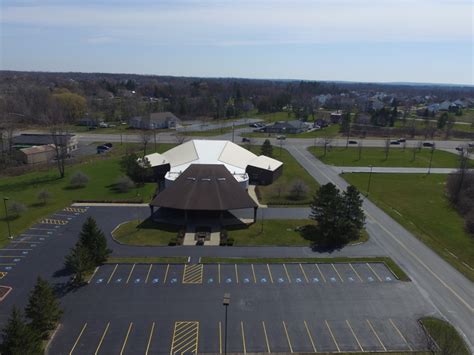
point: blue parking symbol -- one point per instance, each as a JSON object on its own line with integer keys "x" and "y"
{"x": 56, "y": 227}
{"x": 16, "y": 260}
{"x": 280, "y": 280}
{"x": 298, "y": 280}
{"x": 8, "y": 267}
{"x": 155, "y": 281}
{"x": 210, "y": 281}
{"x": 263, "y": 280}
{"x": 33, "y": 245}
{"x": 99, "y": 281}
{"x": 137, "y": 281}
{"x": 25, "y": 252}
{"x": 174, "y": 280}
{"x": 370, "y": 278}
{"x": 333, "y": 279}
{"x": 351, "y": 278}
{"x": 41, "y": 238}
{"x": 315, "y": 279}
{"x": 119, "y": 280}
{"x": 388, "y": 278}
{"x": 228, "y": 280}
{"x": 49, "y": 232}
{"x": 246, "y": 280}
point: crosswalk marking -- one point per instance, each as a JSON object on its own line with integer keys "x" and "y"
{"x": 193, "y": 274}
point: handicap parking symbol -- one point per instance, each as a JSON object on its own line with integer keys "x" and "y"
{"x": 333, "y": 279}
{"x": 246, "y": 280}
{"x": 118, "y": 280}
{"x": 8, "y": 267}
{"x": 315, "y": 279}
{"x": 41, "y": 238}
{"x": 49, "y": 232}
{"x": 298, "y": 280}
{"x": 174, "y": 280}
{"x": 33, "y": 245}
{"x": 56, "y": 227}
{"x": 388, "y": 278}
{"x": 351, "y": 278}
{"x": 263, "y": 280}
{"x": 155, "y": 281}
{"x": 99, "y": 281}
{"x": 210, "y": 281}
{"x": 280, "y": 280}
{"x": 228, "y": 280}
{"x": 370, "y": 278}
{"x": 25, "y": 252}
{"x": 137, "y": 281}
{"x": 16, "y": 260}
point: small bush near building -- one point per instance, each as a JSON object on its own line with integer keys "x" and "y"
{"x": 16, "y": 209}
{"x": 44, "y": 196}
{"x": 78, "y": 180}
{"x": 298, "y": 190}
{"x": 124, "y": 184}
{"x": 173, "y": 242}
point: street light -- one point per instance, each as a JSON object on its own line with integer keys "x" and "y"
{"x": 5, "y": 199}
{"x": 226, "y": 303}
{"x": 370, "y": 178}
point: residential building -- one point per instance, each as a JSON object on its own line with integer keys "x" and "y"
{"x": 156, "y": 120}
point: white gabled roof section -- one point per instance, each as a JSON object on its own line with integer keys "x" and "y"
{"x": 267, "y": 163}
{"x": 156, "y": 159}
{"x": 235, "y": 155}
{"x": 182, "y": 154}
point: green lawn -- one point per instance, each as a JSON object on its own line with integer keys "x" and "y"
{"x": 397, "y": 157}
{"x": 418, "y": 202}
{"x": 445, "y": 335}
{"x": 145, "y": 233}
{"x": 102, "y": 172}
{"x": 278, "y": 192}
{"x": 212, "y": 132}
{"x": 147, "y": 260}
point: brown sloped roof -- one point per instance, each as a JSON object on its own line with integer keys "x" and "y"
{"x": 205, "y": 187}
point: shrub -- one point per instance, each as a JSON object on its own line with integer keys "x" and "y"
{"x": 298, "y": 190}
{"x": 230, "y": 241}
{"x": 124, "y": 184}
{"x": 16, "y": 209}
{"x": 44, "y": 196}
{"x": 79, "y": 179}
{"x": 173, "y": 241}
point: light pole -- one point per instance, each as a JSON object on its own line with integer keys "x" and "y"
{"x": 5, "y": 199}
{"x": 431, "y": 158}
{"x": 370, "y": 178}
{"x": 226, "y": 303}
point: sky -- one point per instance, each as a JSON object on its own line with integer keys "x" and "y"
{"x": 429, "y": 41}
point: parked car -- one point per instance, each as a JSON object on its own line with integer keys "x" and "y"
{"x": 352, "y": 142}
{"x": 395, "y": 142}
{"x": 471, "y": 145}
{"x": 254, "y": 125}
{"x": 281, "y": 137}
{"x": 245, "y": 140}
{"x": 428, "y": 144}
{"x": 103, "y": 125}
{"x": 109, "y": 145}
{"x": 102, "y": 149}
{"x": 402, "y": 140}
{"x": 459, "y": 149}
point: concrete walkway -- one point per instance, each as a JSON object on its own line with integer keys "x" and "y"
{"x": 390, "y": 170}
{"x": 253, "y": 196}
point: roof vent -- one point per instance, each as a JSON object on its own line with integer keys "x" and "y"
{"x": 191, "y": 178}
{"x": 206, "y": 179}
{"x": 221, "y": 179}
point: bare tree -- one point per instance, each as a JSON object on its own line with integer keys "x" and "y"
{"x": 59, "y": 132}
{"x": 145, "y": 137}
{"x": 416, "y": 149}
{"x": 298, "y": 190}
{"x": 387, "y": 148}
{"x": 359, "y": 149}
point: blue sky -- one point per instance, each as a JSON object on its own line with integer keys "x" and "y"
{"x": 354, "y": 40}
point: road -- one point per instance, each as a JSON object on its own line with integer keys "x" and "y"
{"x": 390, "y": 170}
{"x": 444, "y": 287}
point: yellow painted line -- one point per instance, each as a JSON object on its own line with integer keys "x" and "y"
{"x": 270, "y": 273}
{"x": 337, "y": 272}
{"x": 102, "y": 338}
{"x": 355, "y": 272}
{"x": 219, "y": 272}
{"x": 12, "y": 256}
{"x": 126, "y": 338}
{"x": 287, "y": 274}
{"x": 112, "y": 274}
{"x": 130, "y": 274}
{"x": 254, "y": 277}
{"x": 193, "y": 274}
{"x": 166, "y": 273}
{"x": 149, "y": 338}
{"x": 266, "y": 337}
{"x": 7, "y": 264}
{"x": 355, "y": 336}
{"x": 371, "y": 269}
{"x": 236, "y": 274}
{"x": 319, "y": 270}
{"x": 397, "y": 240}
{"x": 310, "y": 337}
{"x": 376, "y": 335}
{"x": 148, "y": 273}
{"x": 243, "y": 336}
{"x": 220, "y": 338}
{"x": 304, "y": 273}
{"x": 332, "y": 336}
{"x": 400, "y": 333}
{"x": 78, "y": 337}
{"x": 287, "y": 337}
{"x": 185, "y": 337}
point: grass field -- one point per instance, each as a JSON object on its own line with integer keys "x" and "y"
{"x": 397, "y": 157}
{"x": 445, "y": 335}
{"x": 278, "y": 192}
{"x": 331, "y": 131}
{"x": 145, "y": 233}
{"x": 102, "y": 173}
{"x": 418, "y": 202}
{"x": 147, "y": 260}
{"x": 212, "y": 132}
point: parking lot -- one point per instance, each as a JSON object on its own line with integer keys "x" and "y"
{"x": 245, "y": 274}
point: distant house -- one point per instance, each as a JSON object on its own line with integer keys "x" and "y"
{"x": 336, "y": 116}
{"x": 445, "y": 105}
{"x": 156, "y": 120}
{"x": 36, "y": 155}
{"x": 27, "y": 140}
{"x": 285, "y": 127}
{"x": 375, "y": 104}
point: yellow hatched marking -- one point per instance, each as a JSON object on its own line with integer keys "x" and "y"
{"x": 220, "y": 338}
{"x": 337, "y": 272}
{"x": 193, "y": 274}
{"x": 371, "y": 269}
{"x": 270, "y": 273}
{"x": 376, "y": 335}
{"x": 219, "y": 273}
{"x": 3, "y": 274}
{"x": 310, "y": 337}
{"x": 400, "y": 333}
{"x": 355, "y": 272}
{"x": 287, "y": 337}
{"x": 149, "y": 338}
{"x": 78, "y": 337}
{"x": 11, "y": 256}
{"x": 166, "y": 273}
{"x": 254, "y": 277}
{"x": 185, "y": 337}
{"x": 236, "y": 274}
{"x": 54, "y": 221}
{"x": 148, "y": 273}
{"x": 130, "y": 274}
{"x": 304, "y": 273}
{"x": 112, "y": 274}
{"x": 287, "y": 274}
{"x": 72, "y": 209}
{"x": 243, "y": 336}
{"x": 319, "y": 270}
{"x": 126, "y": 338}
{"x": 102, "y": 338}
{"x": 332, "y": 336}
{"x": 355, "y": 336}
{"x": 266, "y": 337}
{"x": 7, "y": 264}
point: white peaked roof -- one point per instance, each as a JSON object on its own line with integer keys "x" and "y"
{"x": 232, "y": 156}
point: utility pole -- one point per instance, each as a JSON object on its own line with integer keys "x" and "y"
{"x": 370, "y": 178}
{"x": 7, "y": 219}
{"x": 226, "y": 304}
{"x": 233, "y": 131}
{"x": 431, "y": 158}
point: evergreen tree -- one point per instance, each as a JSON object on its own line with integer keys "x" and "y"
{"x": 18, "y": 338}
{"x": 43, "y": 308}
{"x": 267, "y": 148}
{"x": 79, "y": 262}
{"x": 93, "y": 239}
{"x": 353, "y": 208}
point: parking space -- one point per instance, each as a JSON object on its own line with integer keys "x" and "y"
{"x": 330, "y": 273}
{"x": 365, "y": 272}
{"x": 347, "y": 272}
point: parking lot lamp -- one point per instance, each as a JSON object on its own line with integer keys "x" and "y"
{"x": 370, "y": 178}
{"x": 7, "y": 219}
{"x": 226, "y": 303}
